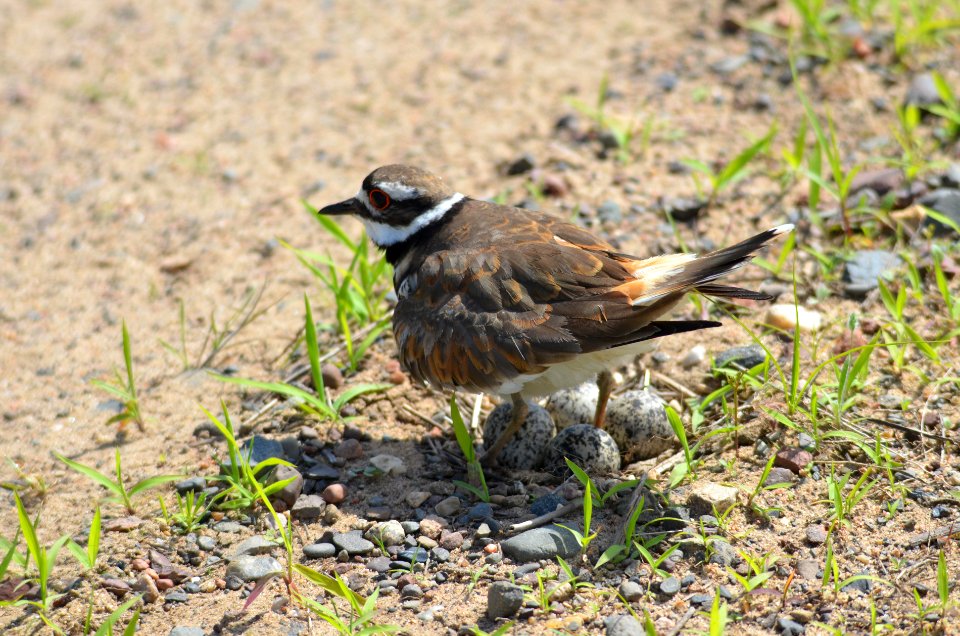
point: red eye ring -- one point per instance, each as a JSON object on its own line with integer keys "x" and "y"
{"x": 379, "y": 199}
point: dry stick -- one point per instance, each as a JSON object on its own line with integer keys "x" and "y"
{"x": 546, "y": 518}
{"x": 683, "y": 621}
{"x": 926, "y": 537}
{"x": 673, "y": 383}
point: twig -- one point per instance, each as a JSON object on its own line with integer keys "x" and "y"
{"x": 683, "y": 621}
{"x": 927, "y": 537}
{"x": 546, "y": 518}
{"x": 673, "y": 383}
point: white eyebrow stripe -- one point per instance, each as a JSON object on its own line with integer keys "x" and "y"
{"x": 385, "y": 235}
{"x": 399, "y": 191}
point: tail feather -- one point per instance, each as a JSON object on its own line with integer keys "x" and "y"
{"x": 657, "y": 279}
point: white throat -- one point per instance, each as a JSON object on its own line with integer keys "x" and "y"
{"x": 384, "y": 235}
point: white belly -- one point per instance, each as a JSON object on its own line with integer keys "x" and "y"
{"x": 573, "y": 372}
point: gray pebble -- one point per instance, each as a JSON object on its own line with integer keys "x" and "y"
{"x": 319, "y": 550}
{"x": 206, "y": 543}
{"x": 186, "y": 631}
{"x": 669, "y": 586}
{"x": 631, "y": 590}
{"x": 252, "y": 568}
{"x": 745, "y": 357}
{"x": 541, "y": 543}
{"x": 503, "y": 600}
{"x": 352, "y": 543}
{"x": 253, "y": 546}
{"x": 623, "y": 625}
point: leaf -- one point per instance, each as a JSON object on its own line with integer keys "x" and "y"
{"x": 464, "y": 440}
{"x": 106, "y": 627}
{"x": 153, "y": 482}
{"x": 93, "y": 474}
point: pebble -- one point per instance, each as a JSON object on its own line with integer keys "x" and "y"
{"x": 431, "y": 528}
{"x": 122, "y": 524}
{"x": 623, "y": 625}
{"x": 789, "y": 627}
{"x": 193, "y": 484}
{"x": 451, "y": 540}
{"x": 207, "y": 544}
{"x": 146, "y": 586}
{"x": 785, "y": 317}
{"x": 526, "y": 448}
{"x": 262, "y": 448}
{"x": 416, "y": 498}
{"x": 480, "y": 511}
{"x": 319, "y": 550}
{"x": 253, "y": 546}
{"x": 503, "y": 600}
{"x": 523, "y": 163}
{"x": 779, "y": 475}
{"x": 816, "y": 534}
{"x": 448, "y": 507}
{"x": 389, "y": 465}
{"x": 864, "y": 267}
{"x": 669, "y": 586}
{"x": 683, "y": 209}
{"x": 388, "y": 532}
{"x": 541, "y": 543}
{"x": 186, "y": 631}
{"x": 176, "y": 597}
{"x": 724, "y": 554}
{"x": 380, "y": 564}
{"x": 793, "y": 459}
{"x": 547, "y": 503}
{"x": 442, "y": 555}
{"x": 332, "y": 376}
{"x": 637, "y": 422}
{"x": 252, "y": 568}
{"x": 352, "y": 543}
{"x": 808, "y": 569}
{"x": 308, "y": 508}
{"x": 576, "y": 405}
{"x": 694, "y": 357}
{"x": 610, "y": 212}
{"x": 922, "y": 91}
{"x": 745, "y": 357}
{"x": 411, "y": 591}
{"x": 322, "y": 472}
{"x": 116, "y": 587}
{"x": 334, "y": 493}
{"x": 711, "y": 498}
{"x": 946, "y": 202}
{"x": 413, "y": 555}
{"x": 631, "y": 590}
{"x": 348, "y": 449}
{"x": 590, "y": 448}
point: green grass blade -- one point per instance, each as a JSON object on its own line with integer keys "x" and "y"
{"x": 93, "y": 474}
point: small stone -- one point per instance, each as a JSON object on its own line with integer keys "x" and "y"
{"x": 380, "y": 564}
{"x": 285, "y": 498}
{"x": 806, "y": 442}
{"x": 146, "y": 586}
{"x": 322, "y": 472}
{"x": 176, "y": 597}
{"x": 352, "y": 542}
{"x": 623, "y": 625}
{"x": 426, "y": 542}
{"x": 793, "y": 459}
{"x": 694, "y": 357}
{"x": 779, "y": 475}
{"x": 451, "y": 540}
{"x": 666, "y": 82}
{"x": 253, "y": 568}
{"x": 319, "y": 550}
{"x": 207, "y": 544}
{"x": 946, "y": 202}
{"x": 231, "y": 527}
{"x": 711, "y": 498}
{"x": 413, "y": 555}
{"x": 389, "y": 465}
{"x": 523, "y": 163}
{"x": 789, "y": 627}
{"x": 193, "y": 484}
{"x": 116, "y": 587}
{"x": 922, "y": 91}
{"x": 122, "y": 524}
{"x": 388, "y": 533}
{"x": 541, "y": 543}
{"x": 431, "y": 528}
{"x": 348, "y": 449}
{"x": 480, "y": 511}
{"x": 411, "y": 591}
{"x": 864, "y": 267}
{"x": 744, "y": 358}
{"x": 631, "y": 590}
{"x": 253, "y": 546}
{"x": 332, "y": 376}
{"x": 610, "y": 212}
{"x": 724, "y": 554}
{"x": 503, "y": 600}
{"x": 448, "y": 507}
{"x": 669, "y": 586}
{"x": 441, "y": 555}
{"x": 186, "y": 631}
{"x": 308, "y": 508}
{"x": 164, "y": 584}
{"x": 682, "y": 209}
{"x": 816, "y": 534}
{"x": 546, "y": 504}
{"x": 334, "y": 493}
{"x": 786, "y": 317}
{"x": 808, "y": 569}
{"x": 417, "y": 498}
{"x": 262, "y": 448}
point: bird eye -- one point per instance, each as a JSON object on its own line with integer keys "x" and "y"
{"x": 379, "y": 199}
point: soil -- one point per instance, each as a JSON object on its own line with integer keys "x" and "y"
{"x": 152, "y": 154}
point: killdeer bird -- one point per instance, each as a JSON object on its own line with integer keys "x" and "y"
{"x": 503, "y": 300}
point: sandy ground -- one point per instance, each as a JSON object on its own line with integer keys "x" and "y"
{"x": 153, "y": 152}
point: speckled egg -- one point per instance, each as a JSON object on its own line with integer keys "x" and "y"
{"x": 589, "y": 447}
{"x": 637, "y": 421}
{"x": 576, "y": 405}
{"x": 525, "y": 451}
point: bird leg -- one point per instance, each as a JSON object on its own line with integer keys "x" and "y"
{"x": 605, "y": 384}
{"x": 518, "y": 412}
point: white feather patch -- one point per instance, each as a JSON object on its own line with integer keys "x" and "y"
{"x": 385, "y": 235}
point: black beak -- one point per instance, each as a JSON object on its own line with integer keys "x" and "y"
{"x": 349, "y": 206}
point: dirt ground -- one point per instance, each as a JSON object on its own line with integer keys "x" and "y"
{"x": 153, "y": 153}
